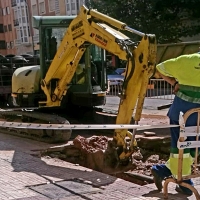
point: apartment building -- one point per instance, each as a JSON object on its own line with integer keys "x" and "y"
{"x": 16, "y": 33}
{"x": 7, "y": 33}
{"x": 26, "y": 37}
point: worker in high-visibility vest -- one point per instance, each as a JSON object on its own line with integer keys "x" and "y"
{"x": 183, "y": 73}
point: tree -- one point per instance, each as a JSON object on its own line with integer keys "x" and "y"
{"x": 169, "y": 20}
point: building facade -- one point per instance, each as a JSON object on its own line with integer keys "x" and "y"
{"x": 7, "y": 33}
{"x": 22, "y": 26}
{"x": 26, "y": 37}
{"x": 68, "y": 7}
{"x": 17, "y": 36}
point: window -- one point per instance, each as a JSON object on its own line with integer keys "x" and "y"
{"x": 42, "y": 8}
{"x": 68, "y": 7}
{"x": 23, "y": 12}
{"x": 73, "y": 6}
{"x": 51, "y": 5}
{"x": 18, "y": 34}
{"x": 2, "y": 44}
{"x": 4, "y": 11}
{"x": 16, "y": 22}
{"x": 13, "y": 3}
{"x": 1, "y": 28}
{"x": 8, "y": 10}
{"x": 34, "y": 10}
{"x": 23, "y": 19}
{"x": 8, "y": 45}
{"x": 77, "y": 4}
{"x": 11, "y": 45}
{"x": 15, "y": 14}
{"x": 25, "y": 39}
{"x": 5, "y": 28}
{"x": 10, "y": 27}
{"x": 67, "y": 3}
{"x": 25, "y": 31}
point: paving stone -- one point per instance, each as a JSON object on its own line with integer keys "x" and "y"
{"x": 20, "y": 173}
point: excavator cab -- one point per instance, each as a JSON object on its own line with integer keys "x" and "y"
{"x": 83, "y": 89}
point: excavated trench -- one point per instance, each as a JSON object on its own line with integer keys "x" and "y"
{"x": 93, "y": 152}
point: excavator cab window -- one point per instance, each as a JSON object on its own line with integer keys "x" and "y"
{"x": 52, "y": 47}
{"x": 80, "y": 74}
{"x": 94, "y": 74}
{"x": 52, "y": 41}
{"x": 89, "y": 70}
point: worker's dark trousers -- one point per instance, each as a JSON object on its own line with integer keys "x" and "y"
{"x": 173, "y": 114}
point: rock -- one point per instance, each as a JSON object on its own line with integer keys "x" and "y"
{"x": 153, "y": 159}
{"x": 137, "y": 155}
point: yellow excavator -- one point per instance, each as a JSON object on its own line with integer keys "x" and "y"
{"x": 50, "y": 85}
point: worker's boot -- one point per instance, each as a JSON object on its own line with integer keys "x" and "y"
{"x": 185, "y": 191}
{"x": 157, "y": 180}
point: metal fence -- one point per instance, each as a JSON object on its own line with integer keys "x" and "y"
{"x": 157, "y": 89}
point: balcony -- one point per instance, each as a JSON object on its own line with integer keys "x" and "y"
{"x": 16, "y": 22}
{"x": 13, "y": 3}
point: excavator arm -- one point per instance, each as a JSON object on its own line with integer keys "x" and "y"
{"x": 93, "y": 27}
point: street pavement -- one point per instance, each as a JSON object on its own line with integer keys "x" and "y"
{"x": 25, "y": 175}
{"x": 151, "y": 105}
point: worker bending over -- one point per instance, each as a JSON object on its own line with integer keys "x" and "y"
{"x": 183, "y": 73}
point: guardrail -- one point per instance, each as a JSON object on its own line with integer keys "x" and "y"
{"x": 157, "y": 89}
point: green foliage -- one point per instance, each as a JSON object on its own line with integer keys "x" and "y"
{"x": 169, "y": 20}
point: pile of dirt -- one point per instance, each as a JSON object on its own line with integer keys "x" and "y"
{"x": 98, "y": 153}
{"x": 92, "y": 150}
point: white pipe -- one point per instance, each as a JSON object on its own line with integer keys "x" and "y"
{"x": 81, "y": 127}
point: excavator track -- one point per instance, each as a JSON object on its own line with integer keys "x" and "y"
{"x": 31, "y": 117}
{"x": 34, "y": 116}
